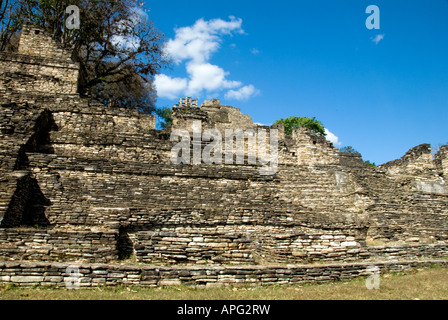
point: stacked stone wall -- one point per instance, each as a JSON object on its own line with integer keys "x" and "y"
{"x": 97, "y": 275}
{"x": 58, "y": 245}
{"x": 441, "y": 161}
{"x": 40, "y": 65}
{"x": 88, "y": 184}
{"x": 28, "y": 73}
{"x": 98, "y": 175}
{"x": 34, "y": 41}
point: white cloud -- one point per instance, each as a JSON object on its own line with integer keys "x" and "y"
{"x": 377, "y": 38}
{"x": 169, "y": 87}
{"x": 332, "y": 138}
{"x": 206, "y": 76}
{"x": 192, "y": 47}
{"x": 200, "y": 41}
{"x": 243, "y": 93}
{"x": 254, "y": 51}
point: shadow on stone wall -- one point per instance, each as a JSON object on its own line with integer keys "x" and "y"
{"x": 125, "y": 246}
{"x": 27, "y": 206}
{"x": 28, "y": 203}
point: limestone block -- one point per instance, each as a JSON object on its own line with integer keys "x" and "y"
{"x": 27, "y": 279}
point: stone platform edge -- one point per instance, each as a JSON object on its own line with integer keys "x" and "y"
{"x": 87, "y": 275}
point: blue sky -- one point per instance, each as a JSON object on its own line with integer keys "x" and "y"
{"x": 381, "y": 91}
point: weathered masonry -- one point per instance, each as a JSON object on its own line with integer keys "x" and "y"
{"x": 94, "y": 275}
{"x": 81, "y": 182}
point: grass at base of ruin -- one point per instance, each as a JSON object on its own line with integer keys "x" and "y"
{"x": 422, "y": 284}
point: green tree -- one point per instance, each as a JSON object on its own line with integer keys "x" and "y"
{"x": 370, "y": 164}
{"x": 164, "y": 117}
{"x": 293, "y": 122}
{"x": 349, "y": 149}
{"x": 115, "y": 46}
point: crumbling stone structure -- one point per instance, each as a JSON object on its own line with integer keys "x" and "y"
{"x": 81, "y": 182}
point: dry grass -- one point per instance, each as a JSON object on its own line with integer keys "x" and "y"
{"x": 422, "y": 284}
